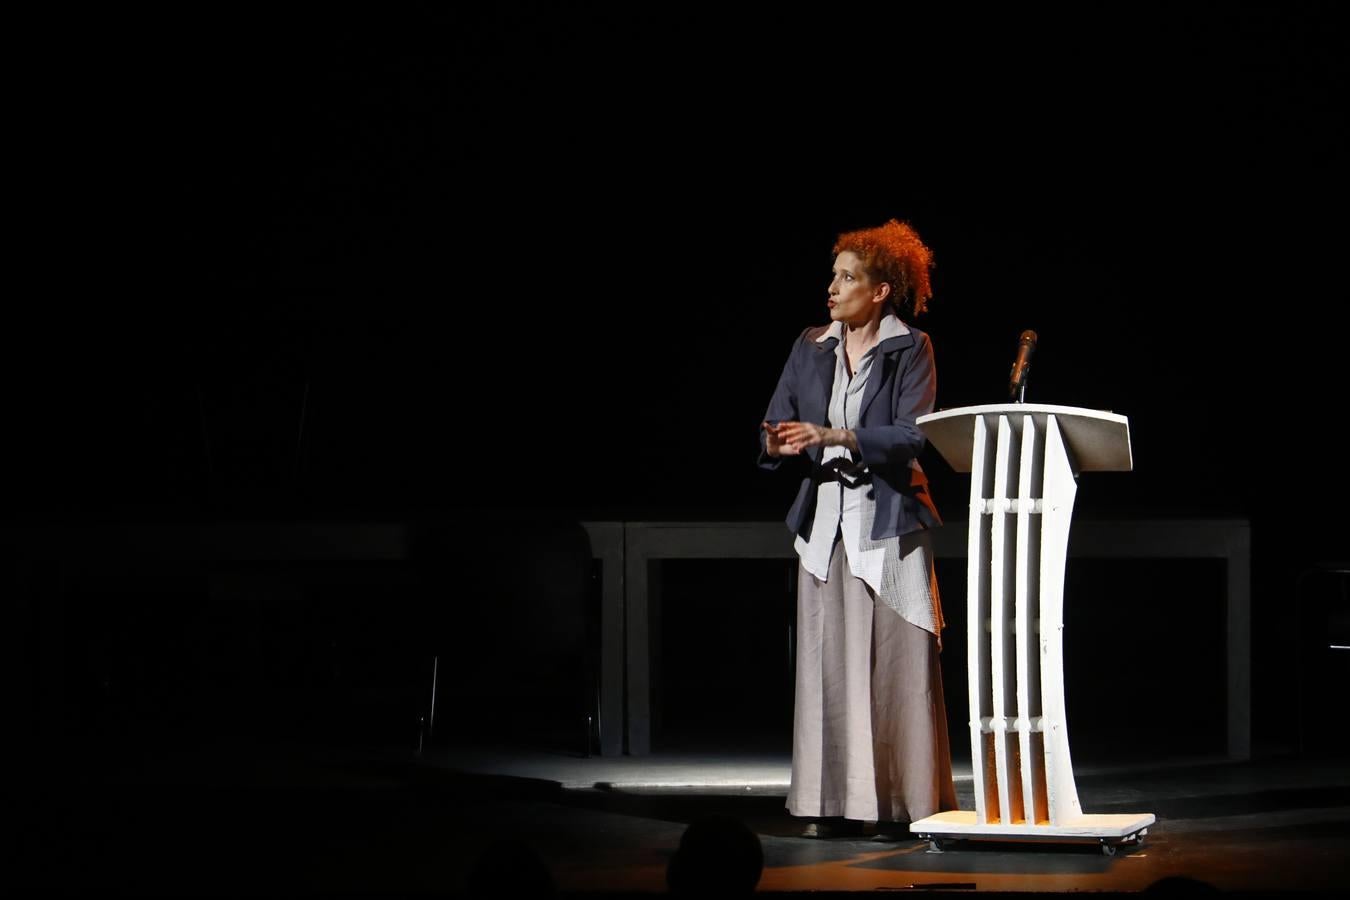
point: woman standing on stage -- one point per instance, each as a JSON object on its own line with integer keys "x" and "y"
{"x": 869, "y": 723}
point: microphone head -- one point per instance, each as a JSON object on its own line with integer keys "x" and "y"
{"x": 1018, "y": 377}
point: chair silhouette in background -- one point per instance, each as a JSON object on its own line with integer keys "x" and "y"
{"x": 509, "y": 630}
{"x": 1323, "y": 652}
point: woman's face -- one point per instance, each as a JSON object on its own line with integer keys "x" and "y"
{"x": 854, "y": 299}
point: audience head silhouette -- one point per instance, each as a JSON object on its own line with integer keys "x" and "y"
{"x": 717, "y": 855}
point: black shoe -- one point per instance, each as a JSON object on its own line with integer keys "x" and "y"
{"x": 893, "y": 833}
{"x": 832, "y": 828}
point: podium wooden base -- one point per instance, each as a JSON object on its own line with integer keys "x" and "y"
{"x": 1108, "y": 830}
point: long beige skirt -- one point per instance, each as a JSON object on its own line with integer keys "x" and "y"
{"x": 869, "y": 735}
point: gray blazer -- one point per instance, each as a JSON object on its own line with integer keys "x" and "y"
{"x": 901, "y": 387}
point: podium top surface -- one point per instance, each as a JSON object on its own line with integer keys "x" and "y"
{"x": 1098, "y": 440}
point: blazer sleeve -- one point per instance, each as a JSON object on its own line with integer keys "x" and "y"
{"x": 783, "y": 404}
{"x": 915, "y": 394}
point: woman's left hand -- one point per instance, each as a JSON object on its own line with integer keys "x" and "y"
{"x": 798, "y": 436}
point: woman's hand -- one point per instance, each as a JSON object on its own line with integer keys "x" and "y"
{"x": 791, "y": 438}
{"x": 799, "y": 436}
{"x": 773, "y": 441}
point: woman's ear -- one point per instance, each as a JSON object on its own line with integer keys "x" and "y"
{"x": 883, "y": 291}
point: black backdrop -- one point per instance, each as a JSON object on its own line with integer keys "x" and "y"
{"x": 344, "y": 266}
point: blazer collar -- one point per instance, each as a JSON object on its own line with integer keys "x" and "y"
{"x": 889, "y": 331}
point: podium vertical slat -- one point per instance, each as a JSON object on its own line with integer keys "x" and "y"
{"x": 1002, "y": 568}
{"x": 983, "y": 773}
{"x": 1057, "y": 509}
{"x": 1027, "y": 616}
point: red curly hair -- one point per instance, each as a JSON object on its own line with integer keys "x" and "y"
{"x": 893, "y": 253}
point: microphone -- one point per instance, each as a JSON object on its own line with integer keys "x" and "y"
{"x": 1017, "y": 381}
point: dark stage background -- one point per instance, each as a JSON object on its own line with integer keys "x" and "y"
{"x": 547, "y": 263}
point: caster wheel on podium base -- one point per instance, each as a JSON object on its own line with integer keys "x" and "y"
{"x": 936, "y": 844}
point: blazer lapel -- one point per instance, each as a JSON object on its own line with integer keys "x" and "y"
{"x": 888, "y": 355}
{"x": 822, "y": 370}
{"x": 822, "y": 375}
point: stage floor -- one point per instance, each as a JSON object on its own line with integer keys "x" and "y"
{"x": 242, "y": 819}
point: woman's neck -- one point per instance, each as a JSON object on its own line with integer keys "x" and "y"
{"x": 861, "y": 337}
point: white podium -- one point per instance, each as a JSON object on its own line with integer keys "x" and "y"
{"x": 1023, "y": 461}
